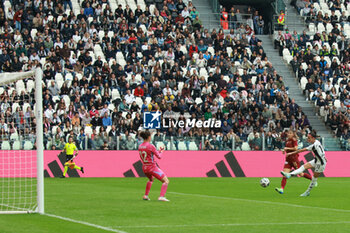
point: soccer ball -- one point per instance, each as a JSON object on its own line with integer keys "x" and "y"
{"x": 264, "y": 182}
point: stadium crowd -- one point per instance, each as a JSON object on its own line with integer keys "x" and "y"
{"x": 322, "y": 61}
{"x": 105, "y": 64}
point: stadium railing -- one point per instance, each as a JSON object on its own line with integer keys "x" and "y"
{"x": 101, "y": 141}
{"x": 194, "y": 143}
{"x": 213, "y": 19}
{"x": 215, "y": 4}
{"x": 288, "y": 23}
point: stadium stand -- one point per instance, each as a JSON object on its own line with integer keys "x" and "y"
{"x": 320, "y": 60}
{"x": 106, "y": 62}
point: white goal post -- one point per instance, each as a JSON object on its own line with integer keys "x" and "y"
{"x": 21, "y": 131}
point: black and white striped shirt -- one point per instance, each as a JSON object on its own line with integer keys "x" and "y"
{"x": 318, "y": 151}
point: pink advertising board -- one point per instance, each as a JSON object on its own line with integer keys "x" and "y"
{"x": 173, "y": 163}
{"x": 197, "y": 163}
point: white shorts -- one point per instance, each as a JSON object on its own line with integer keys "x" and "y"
{"x": 318, "y": 166}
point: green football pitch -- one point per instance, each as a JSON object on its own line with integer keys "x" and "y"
{"x": 196, "y": 205}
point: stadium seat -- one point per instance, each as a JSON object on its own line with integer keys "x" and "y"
{"x": 139, "y": 101}
{"x": 160, "y": 144}
{"x": 336, "y": 87}
{"x": 193, "y": 146}
{"x": 329, "y": 27}
{"x": 203, "y": 72}
{"x": 115, "y": 94}
{"x": 66, "y": 100}
{"x": 30, "y": 85}
{"x": 254, "y": 79}
{"x": 97, "y": 128}
{"x": 148, "y": 99}
{"x": 88, "y": 130}
{"x": 143, "y": 27}
{"x": 58, "y": 77}
{"x": 16, "y": 145}
{"x": 245, "y": 146}
{"x": 59, "y": 18}
{"x": 229, "y": 51}
{"x": 285, "y": 52}
{"x": 182, "y": 145}
{"x": 133, "y": 115}
{"x": 337, "y": 103}
{"x": 25, "y": 107}
{"x": 14, "y": 107}
{"x": 323, "y": 6}
{"x": 33, "y": 33}
{"x": 124, "y": 114}
{"x": 69, "y": 76}
{"x": 111, "y": 107}
{"x": 312, "y": 28}
{"x": 20, "y": 87}
{"x": 108, "y": 129}
{"x": 59, "y": 83}
{"x": 211, "y": 50}
{"x": 48, "y": 145}
{"x": 5, "y": 145}
{"x": 7, "y": 4}
{"x": 79, "y": 76}
{"x": 121, "y": 62}
{"x": 198, "y": 100}
{"x": 303, "y": 82}
{"x": 227, "y": 78}
{"x": 320, "y": 28}
{"x": 14, "y": 137}
{"x": 27, "y": 145}
{"x": 10, "y": 90}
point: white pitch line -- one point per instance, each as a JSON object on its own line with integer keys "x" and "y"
{"x": 262, "y": 202}
{"x": 85, "y": 223}
{"x": 236, "y": 224}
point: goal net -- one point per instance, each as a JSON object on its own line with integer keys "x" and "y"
{"x": 21, "y": 154}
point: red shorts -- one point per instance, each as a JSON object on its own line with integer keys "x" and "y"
{"x": 292, "y": 163}
{"x": 153, "y": 171}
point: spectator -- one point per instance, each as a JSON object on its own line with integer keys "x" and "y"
{"x": 106, "y": 121}
{"x": 139, "y": 91}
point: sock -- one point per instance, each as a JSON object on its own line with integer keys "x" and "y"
{"x": 65, "y": 170}
{"x": 298, "y": 171}
{"x": 312, "y": 184}
{"x": 163, "y": 189}
{"x": 307, "y": 176}
{"x": 76, "y": 167}
{"x": 283, "y": 182}
{"x": 148, "y": 187}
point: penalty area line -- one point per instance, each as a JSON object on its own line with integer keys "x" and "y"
{"x": 236, "y": 224}
{"x": 261, "y": 202}
{"x": 85, "y": 223}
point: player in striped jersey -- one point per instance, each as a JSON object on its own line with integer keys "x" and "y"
{"x": 319, "y": 163}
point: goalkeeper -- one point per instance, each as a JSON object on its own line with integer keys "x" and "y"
{"x": 70, "y": 148}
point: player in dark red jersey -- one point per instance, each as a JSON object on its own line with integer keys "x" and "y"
{"x": 150, "y": 168}
{"x": 292, "y": 161}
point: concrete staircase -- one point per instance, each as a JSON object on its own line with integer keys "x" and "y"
{"x": 293, "y": 19}
{"x": 295, "y": 92}
{"x": 209, "y": 19}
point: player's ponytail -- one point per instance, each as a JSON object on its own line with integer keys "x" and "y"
{"x": 145, "y": 134}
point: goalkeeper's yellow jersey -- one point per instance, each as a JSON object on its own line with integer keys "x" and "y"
{"x": 70, "y": 148}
